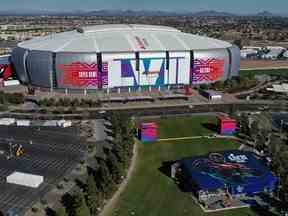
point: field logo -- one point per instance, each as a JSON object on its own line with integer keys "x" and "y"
{"x": 84, "y": 74}
{"x": 141, "y": 42}
{"x": 238, "y": 158}
{"x": 207, "y": 70}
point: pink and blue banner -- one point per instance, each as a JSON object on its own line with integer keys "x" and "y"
{"x": 148, "y": 132}
{"x": 226, "y": 125}
{"x": 84, "y": 74}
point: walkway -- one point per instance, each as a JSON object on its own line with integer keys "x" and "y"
{"x": 213, "y": 136}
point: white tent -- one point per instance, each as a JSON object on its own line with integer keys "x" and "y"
{"x": 25, "y": 179}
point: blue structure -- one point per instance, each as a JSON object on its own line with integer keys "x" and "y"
{"x": 239, "y": 172}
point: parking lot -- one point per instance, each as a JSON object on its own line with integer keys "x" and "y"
{"x": 48, "y": 151}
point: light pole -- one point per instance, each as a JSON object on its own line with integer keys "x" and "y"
{"x": 281, "y": 127}
{"x": 10, "y": 150}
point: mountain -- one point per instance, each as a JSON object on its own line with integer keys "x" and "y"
{"x": 207, "y": 13}
{"x": 212, "y": 13}
{"x": 131, "y": 13}
{"x": 266, "y": 14}
{"x": 27, "y": 12}
{"x": 155, "y": 13}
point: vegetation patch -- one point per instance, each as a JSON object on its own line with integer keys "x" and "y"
{"x": 11, "y": 98}
{"x": 151, "y": 192}
{"x": 186, "y": 126}
{"x": 103, "y": 181}
{"x": 282, "y": 73}
{"x": 233, "y": 85}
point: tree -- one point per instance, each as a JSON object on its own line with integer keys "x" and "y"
{"x": 116, "y": 123}
{"x": 66, "y": 102}
{"x": 2, "y": 98}
{"x": 75, "y": 102}
{"x": 83, "y": 103}
{"x": 92, "y": 199}
{"x": 204, "y": 87}
{"x": 106, "y": 181}
{"x": 260, "y": 140}
{"x": 79, "y": 205}
{"x": 253, "y": 131}
{"x": 219, "y": 85}
{"x": 15, "y": 98}
{"x": 60, "y": 102}
{"x": 51, "y": 102}
{"x": 238, "y": 42}
{"x": 115, "y": 167}
{"x": 44, "y": 102}
{"x": 244, "y": 124}
{"x": 118, "y": 150}
{"x": 61, "y": 212}
{"x": 284, "y": 192}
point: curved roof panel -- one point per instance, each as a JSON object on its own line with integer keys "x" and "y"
{"x": 123, "y": 38}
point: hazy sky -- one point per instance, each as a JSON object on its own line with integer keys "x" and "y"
{"x": 236, "y": 6}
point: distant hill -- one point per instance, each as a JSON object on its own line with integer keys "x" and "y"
{"x": 207, "y": 13}
{"x": 212, "y": 13}
{"x": 130, "y": 13}
{"x": 265, "y": 14}
{"x": 40, "y": 13}
{"x": 156, "y": 13}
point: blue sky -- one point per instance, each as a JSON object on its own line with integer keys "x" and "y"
{"x": 242, "y": 6}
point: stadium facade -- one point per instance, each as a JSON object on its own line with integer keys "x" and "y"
{"x": 113, "y": 56}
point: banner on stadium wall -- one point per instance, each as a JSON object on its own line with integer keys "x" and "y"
{"x": 151, "y": 71}
{"x": 207, "y": 70}
{"x": 5, "y": 71}
{"x": 82, "y": 74}
{"x": 122, "y": 72}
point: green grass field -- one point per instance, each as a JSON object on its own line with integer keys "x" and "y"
{"x": 250, "y": 73}
{"x": 186, "y": 126}
{"x": 151, "y": 193}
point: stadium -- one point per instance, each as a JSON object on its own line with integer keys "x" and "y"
{"x": 117, "y": 56}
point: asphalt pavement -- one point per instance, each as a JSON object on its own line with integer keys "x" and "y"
{"x": 52, "y": 153}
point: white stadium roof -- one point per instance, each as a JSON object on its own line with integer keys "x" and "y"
{"x": 123, "y": 38}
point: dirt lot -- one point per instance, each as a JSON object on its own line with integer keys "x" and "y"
{"x": 254, "y": 64}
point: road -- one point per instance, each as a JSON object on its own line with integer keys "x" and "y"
{"x": 260, "y": 85}
{"x": 150, "y": 110}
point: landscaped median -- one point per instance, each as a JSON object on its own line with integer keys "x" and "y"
{"x": 282, "y": 72}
